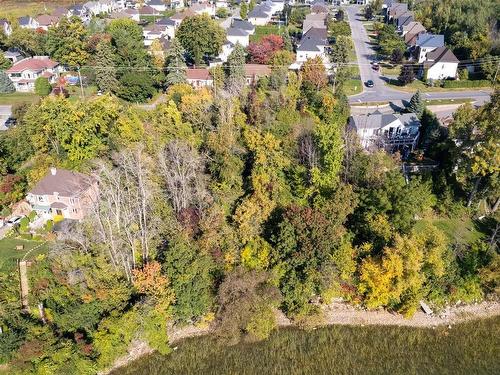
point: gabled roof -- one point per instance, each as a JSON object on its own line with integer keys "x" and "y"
{"x": 377, "y": 120}
{"x": 46, "y": 20}
{"x": 440, "y": 55}
{"x": 36, "y": 63}
{"x": 24, "y": 21}
{"x": 313, "y": 39}
{"x": 165, "y": 22}
{"x": 256, "y": 70}
{"x": 260, "y": 11}
{"x": 65, "y": 183}
{"x": 147, "y": 10}
{"x": 3, "y": 21}
{"x": 413, "y": 27}
{"x": 242, "y": 24}
{"x": 198, "y": 74}
{"x": 430, "y": 40}
{"x": 60, "y": 12}
{"x": 156, "y": 2}
{"x": 181, "y": 15}
{"x": 236, "y": 32}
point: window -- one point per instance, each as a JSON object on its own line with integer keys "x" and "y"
{"x": 72, "y": 200}
{"x": 40, "y": 198}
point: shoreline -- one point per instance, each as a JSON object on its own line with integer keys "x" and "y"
{"x": 337, "y": 313}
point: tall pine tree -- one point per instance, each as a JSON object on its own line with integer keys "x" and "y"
{"x": 416, "y": 104}
{"x": 236, "y": 69}
{"x": 175, "y": 64}
{"x": 6, "y": 85}
{"x": 105, "y": 71}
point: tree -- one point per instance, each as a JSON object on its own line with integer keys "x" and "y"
{"x": 66, "y": 42}
{"x": 201, "y": 37}
{"x": 340, "y": 51}
{"x": 29, "y": 42}
{"x": 222, "y": 13}
{"x": 175, "y": 64}
{"x": 251, "y": 5}
{"x": 42, "y": 86}
{"x": 397, "y": 56}
{"x": 105, "y": 71}
{"x": 407, "y": 74}
{"x": 136, "y": 87}
{"x": 243, "y": 10}
{"x": 6, "y": 85}
{"x": 127, "y": 40}
{"x": 262, "y": 51}
{"x": 236, "y": 69}
{"x": 489, "y": 67}
{"x": 314, "y": 73}
{"x": 416, "y": 104}
{"x": 5, "y": 63}
{"x": 368, "y": 12}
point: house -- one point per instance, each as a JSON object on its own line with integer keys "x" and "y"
{"x": 24, "y": 73}
{"x": 169, "y": 26}
{"x": 63, "y": 193}
{"x": 157, "y": 31}
{"x": 260, "y": 15}
{"x": 395, "y": 10}
{"x": 391, "y": 132}
{"x": 316, "y": 20}
{"x": 159, "y": 5}
{"x": 14, "y": 55}
{"x": 237, "y": 36}
{"x": 243, "y": 25}
{"x": 313, "y": 44}
{"x": 403, "y": 19}
{"x": 222, "y": 4}
{"x": 226, "y": 50}
{"x": 180, "y": 16}
{"x": 133, "y": 14}
{"x": 319, "y": 7}
{"x": 176, "y": 4}
{"x": 440, "y": 63}
{"x": 426, "y": 43}
{"x": 81, "y": 12}
{"x": 276, "y": 5}
{"x": 148, "y": 11}
{"x": 27, "y": 22}
{"x": 199, "y": 77}
{"x": 255, "y": 71}
{"x": 45, "y": 21}
{"x": 204, "y": 8}
{"x": 411, "y": 31}
{"x": 5, "y": 27}
{"x": 60, "y": 12}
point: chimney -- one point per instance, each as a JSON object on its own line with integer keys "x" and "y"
{"x": 53, "y": 171}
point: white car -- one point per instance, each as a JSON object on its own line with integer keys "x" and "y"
{"x": 13, "y": 221}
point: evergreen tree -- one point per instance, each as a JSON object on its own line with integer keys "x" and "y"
{"x": 236, "y": 69}
{"x": 244, "y": 11}
{"x": 105, "y": 72}
{"x": 287, "y": 41}
{"x": 6, "y": 84}
{"x": 42, "y": 86}
{"x": 407, "y": 75}
{"x": 416, "y": 104}
{"x": 175, "y": 64}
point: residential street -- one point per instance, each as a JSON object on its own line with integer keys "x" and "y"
{"x": 380, "y": 92}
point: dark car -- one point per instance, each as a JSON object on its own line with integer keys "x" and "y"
{"x": 369, "y": 83}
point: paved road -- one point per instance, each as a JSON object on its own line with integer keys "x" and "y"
{"x": 380, "y": 92}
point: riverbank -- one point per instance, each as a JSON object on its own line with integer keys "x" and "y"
{"x": 342, "y": 314}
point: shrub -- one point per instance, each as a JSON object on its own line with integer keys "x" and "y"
{"x": 42, "y": 86}
{"x": 23, "y": 224}
{"x": 465, "y": 84}
{"x": 49, "y": 225}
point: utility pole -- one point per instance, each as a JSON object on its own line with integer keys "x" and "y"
{"x": 81, "y": 84}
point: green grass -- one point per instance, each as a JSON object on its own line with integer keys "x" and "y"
{"x": 465, "y": 349}
{"x": 353, "y": 87}
{"x": 419, "y": 85}
{"x": 17, "y": 98}
{"x": 458, "y": 231}
{"x": 387, "y": 69}
{"x": 261, "y": 31}
{"x": 448, "y": 101}
{"x": 9, "y": 254}
{"x": 17, "y": 8}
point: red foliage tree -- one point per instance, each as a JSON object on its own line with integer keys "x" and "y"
{"x": 261, "y": 52}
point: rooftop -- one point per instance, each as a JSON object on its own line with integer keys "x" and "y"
{"x": 430, "y": 40}
{"x": 441, "y": 54}
{"x": 36, "y": 63}
{"x": 65, "y": 183}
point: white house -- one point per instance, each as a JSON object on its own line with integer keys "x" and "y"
{"x": 243, "y": 25}
{"x": 169, "y": 26}
{"x": 5, "y": 27}
{"x": 312, "y": 45}
{"x": 222, "y": 4}
{"x": 317, "y": 20}
{"x": 199, "y": 77}
{"x": 226, "y": 50}
{"x": 45, "y": 21}
{"x": 426, "y": 43}
{"x": 440, "y": 64}
{"x": 203, "y": 8}
{"x": 159, "y": 5}
{"x": 27, "y": 22}
{"x": 260, "y": 15}
{"x": 237, "y": 36}
{"x": 391, "y": 132}
{"x": 24, "y": 73}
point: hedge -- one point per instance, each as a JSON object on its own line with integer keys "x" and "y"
{"x": 465, "y": 84}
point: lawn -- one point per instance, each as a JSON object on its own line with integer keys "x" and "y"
{"x": 458, "y": 231}
{"x": 419, "y": 85}
{"x": 18, "y": 98}
{"x": 448, "y": 101}
{"x": 9, "y": 255}
{"x": 388, "y": 69}
{"x": 18, "y": 8}
{"x": 464, "y": 349}
{"x": 261, "y": 31}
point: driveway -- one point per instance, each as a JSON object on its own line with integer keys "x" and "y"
{"x": 380, "y": 92}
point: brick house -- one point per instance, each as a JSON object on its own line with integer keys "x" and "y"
{"x": 63, "y": 193}
{"x": 25, "y": 72}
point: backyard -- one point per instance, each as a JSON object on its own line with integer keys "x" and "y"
{"x": 9, "y": 254}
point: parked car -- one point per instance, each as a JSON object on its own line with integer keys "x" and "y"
{"x": 13, "y": 221}
{"x": 369, "y": 83}
{"x": 376, "y": 66}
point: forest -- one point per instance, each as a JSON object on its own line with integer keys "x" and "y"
{"x": 219, "y": 207}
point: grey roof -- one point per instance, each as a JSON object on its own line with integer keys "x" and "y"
{"x": 441, "y": 54}
{"x": 313, "y": 39}
{"x": 25, "y": 20}
{"x": 405, "y": 19}
{"x": 260, "y": 11}
{"x": 430, "y": 40}
{"x": 236, "y": 32}
{"x": 376, "y": 120}
{"x": 156, "y": 2}
{"x": 65, "y": 183}
{"x": 166, "y": 22}
{"x": 242, "y": 24}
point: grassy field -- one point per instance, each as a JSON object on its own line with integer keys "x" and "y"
{"x": 419, "y": 85}
{"x": 469, "y": 348}
{"x": 353, "y": 87}
{"x": 448, "y": 101}
{"x": 18, "y": 8}
{"x": 17, "y": 98}
{"x": 457, "y": 230}
{"x": 261, "y": 31}
{"x": 9, "y": 254}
